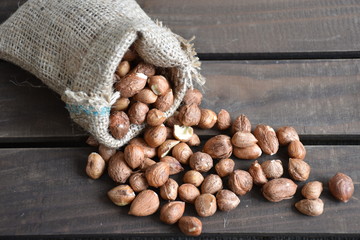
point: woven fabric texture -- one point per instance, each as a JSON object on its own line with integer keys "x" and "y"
{"x": 74, "y": 47}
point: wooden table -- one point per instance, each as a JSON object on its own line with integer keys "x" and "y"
{"x": 280, "y": 62}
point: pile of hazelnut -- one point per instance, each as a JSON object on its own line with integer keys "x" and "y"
{"x": 145, "y": 166}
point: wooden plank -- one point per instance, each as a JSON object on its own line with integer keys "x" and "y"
{"x": 317, "y": 97}
{"x": 233, "y": 26}
{"x": 45, "y": 191}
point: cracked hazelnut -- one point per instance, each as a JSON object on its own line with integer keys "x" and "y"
{"x": 218, "y": 147}
{"x": 159, "y": 84}
{"x": 164, "y": 149}
{"x": 183, "y": 133}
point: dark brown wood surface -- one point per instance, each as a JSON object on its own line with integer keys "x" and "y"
{"x": 45, "y": 191}
{"x": 261, "y": 26}
{"x": 316, "y": 97}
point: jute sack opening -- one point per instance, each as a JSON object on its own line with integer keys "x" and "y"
{"x": 74, "y": 47}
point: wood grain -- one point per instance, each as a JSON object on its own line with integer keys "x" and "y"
{"x": 316, "y": 97}
{"x": 45, "y": 191}
{"x": 258, "y": 26}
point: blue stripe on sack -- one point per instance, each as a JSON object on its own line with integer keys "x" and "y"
{"x": 87, "y": 110}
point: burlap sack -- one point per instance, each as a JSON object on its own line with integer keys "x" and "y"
{"x": 74, "y": 46}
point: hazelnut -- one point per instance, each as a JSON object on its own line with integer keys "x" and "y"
{"x": 296, "y": 150}
{"x": 171, "y": 212}
{"x": 341, "y": 187}
{"x": 211, "y": 184}
{"x": 105, "y": 152}
{"x": 123, "y": 68}
{"x": 95, "y": 166}
{"x": 138, "y": 182}
{"x": 224, "y": 167}
{"x": 267, "y": 139}
{"x": 146, "y": 96}
{"x": 157, "y": 174}
{"x": 155, "y": 136}
{"x": 241, "y": 124}
{"x": 169, "y": 133}
{"x": 201, "y": 162}
{"x": 159, "y": 84}
{"x": 182, "y": 152}
{"x": 252, "y": 152}
{"x": 166, "y": 147}
{"x": 155, "y": 117}
{"x": 310, "y": 207}
{"x": 131, "y": 84}
{"x": 91, "y": 141}
{"x": 257, "y": 174}
{"x": 189, "y": 115}
{"x": 121, "y": 104}
{"x": 118, "y": 170}
{"x": 190, "y": 226}
{"x": 173, "y": 120}
{"x": 205, "y": 205}
{"x": 194, "y": 141}
{"x": 218, "y": 147}
{"x": 227, "y": 200}
{"x": 193, "y": 177}
{"x": 279, "y": 189}
{"x": 169, "y": 190}
{"x": 164, "y": 102}
{"x": 224, "y": 120}
{"x": 312, "y": 190}
{"x": 299, "y": 170}
{"x": 149, "y": 152}
{"x": 137, "y": 113}
{"x": 183, "y": 133}
{"x": 175, "y": 166}
{"x": 130, "y": 55}
{"x": 240, "y": 182}
{"x": 243, "y": 139}
{"x": 145, "y": 68}
{"x": 145, "y": 203}
{"x": 188, "y": 192}
{"x": 121, "y": 195}
{"x": 134, "y": 155}
{"x": 119, "y": 124}
{"x": 193, "y": 96}
{"x": 272, "y": 168}
{"x": 147, "y": 163}
{"x": 208, "y": 119}
{"x": 286, "y": 135}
